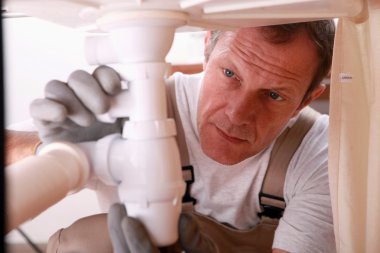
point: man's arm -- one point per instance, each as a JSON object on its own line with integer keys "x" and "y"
{"x": 19, "y": 145}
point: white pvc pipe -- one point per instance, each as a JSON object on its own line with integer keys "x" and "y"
{"x": 38, "y": 182}
{"x": 148, "y": 168}
{"x": 146, "y": 160}
{"x": 145, "y": 97}
{"x": 98, "y": 50}
{"x": 147, "y": 91}
{"x": 152, "y": 188}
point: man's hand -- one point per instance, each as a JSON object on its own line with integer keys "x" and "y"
{"x": 127, "y": 234}
{"x": 68, "y": 110}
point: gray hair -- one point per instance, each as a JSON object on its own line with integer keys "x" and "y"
{"x": 321, "y": 32}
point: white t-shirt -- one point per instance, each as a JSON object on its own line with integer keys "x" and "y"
{"x": 230, "y": 193}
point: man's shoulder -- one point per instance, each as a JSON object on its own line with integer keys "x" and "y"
{"x": 311, "y": 157}
{"x": 318, "y": 133}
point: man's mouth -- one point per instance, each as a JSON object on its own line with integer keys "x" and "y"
{"x": 228, "y": 137}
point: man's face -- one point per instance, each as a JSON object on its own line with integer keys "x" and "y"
{"x": 251, "y": 89}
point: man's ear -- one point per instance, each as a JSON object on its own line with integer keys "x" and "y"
{"x": 314, "y": 95}
{"x": 207, "y": 38}
{"x": 206, "y": 41}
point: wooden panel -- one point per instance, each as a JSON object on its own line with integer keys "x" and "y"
{"x": 187, "y": 69}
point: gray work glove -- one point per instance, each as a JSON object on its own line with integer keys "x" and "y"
{"x": 128, "y": 235}
{"x": 67, "y": 112}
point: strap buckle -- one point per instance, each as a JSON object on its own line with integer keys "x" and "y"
{"x": 188, "y": 177}
{"x": 273, "y": 206}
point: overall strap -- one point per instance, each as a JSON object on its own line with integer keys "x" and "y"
{"x": 187, "y": 170}
{"x": 174, "y": 113}
{"x": 272, "y": 191}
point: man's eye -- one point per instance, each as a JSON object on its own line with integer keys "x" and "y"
{"x": 275, "y": 96}
{"x": 228, "y": 73}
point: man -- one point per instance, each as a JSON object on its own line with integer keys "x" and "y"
{"x": 255, "y": 83}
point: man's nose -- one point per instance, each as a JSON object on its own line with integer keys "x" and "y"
{"x": 241, "y": 109}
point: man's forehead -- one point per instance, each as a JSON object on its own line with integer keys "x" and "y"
{"x": 257, "y": 38}
{"x": 246, "y": 39}
{"x": 295, "y": 59}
